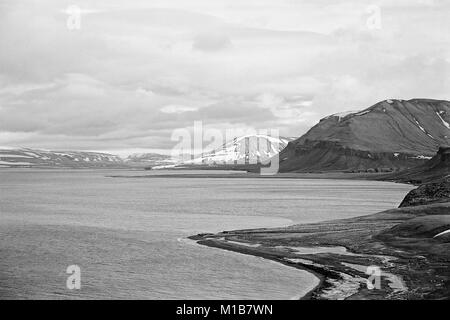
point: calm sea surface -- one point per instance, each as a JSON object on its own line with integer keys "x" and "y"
{"x": 128, "y": 236}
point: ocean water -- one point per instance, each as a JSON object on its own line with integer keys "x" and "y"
{"x": 128, "y": 236}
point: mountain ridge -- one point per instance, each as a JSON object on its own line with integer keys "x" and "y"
{"x": 27, "y": 157}
{"x": 391, "y": 135}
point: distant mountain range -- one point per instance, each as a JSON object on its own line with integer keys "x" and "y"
{"x": 388, "y": 136}
{"x": 25, "y": 157}
{"x": 251, "y": 149}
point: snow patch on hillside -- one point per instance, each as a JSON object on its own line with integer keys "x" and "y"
{"x": 345, "y": 114}
{"x": 15, "y": 163}
{"x": 422, "y": 157}
{"x": 442, "y": 233}
{"x": 422, "y": 128}
{"x": 362, "y": 113}
{"x": 341, "y": 115}
{"x": 442, "y": 119}
{"x": 418, "y": 124}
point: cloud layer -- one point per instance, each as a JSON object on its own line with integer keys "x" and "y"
{"x": 136, "y": 71}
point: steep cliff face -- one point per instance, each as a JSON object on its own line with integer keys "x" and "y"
{"x": 388, "y": 136}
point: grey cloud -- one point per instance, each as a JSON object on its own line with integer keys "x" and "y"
{"x": 211, "y": 42}
{"x": 274, "y": 64}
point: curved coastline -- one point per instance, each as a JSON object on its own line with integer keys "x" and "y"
{"x": 235, "y": 248}
{"x": 319, "y": 277}
{"x": 366, "y": 241}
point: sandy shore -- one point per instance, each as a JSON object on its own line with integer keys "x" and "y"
{"x": 413, "y": 264}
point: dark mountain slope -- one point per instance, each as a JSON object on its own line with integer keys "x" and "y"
{"x": 436, "y": 168}
{"x": 390, "y": 135}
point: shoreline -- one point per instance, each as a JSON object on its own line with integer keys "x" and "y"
{"x": 247, "y": 175}
{"x": 320, "y": 276}
{"x": 338, "y": 251}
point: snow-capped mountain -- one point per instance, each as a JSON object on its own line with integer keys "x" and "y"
{"x": 388, "y": 136}
{"x": 25, "y": 157}
{"x": 249, "y": 149}
{"x": 149, "y": 159}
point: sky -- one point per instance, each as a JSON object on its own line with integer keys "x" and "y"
{"x": 123, "y": 75}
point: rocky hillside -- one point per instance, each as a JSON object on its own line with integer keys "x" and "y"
{"x": 432, "y": 223}
{"x": 436, "y": 168}
{"x": 16, "y": 158}
{"x": 388, "y": 136}
{"x": 428, "y": 193}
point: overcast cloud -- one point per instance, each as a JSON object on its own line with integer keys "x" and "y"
{"x": 137, "y": 70}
